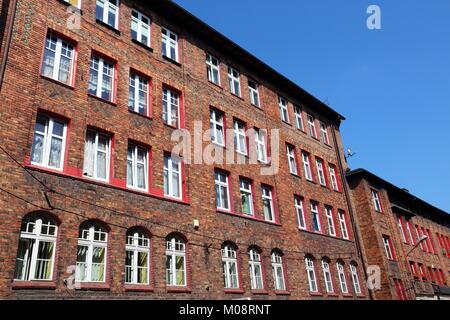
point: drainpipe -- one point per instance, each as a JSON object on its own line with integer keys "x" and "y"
{"x": 350, "y": 207}
{"x": 9, "y": 29}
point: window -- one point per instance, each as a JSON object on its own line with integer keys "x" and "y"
{"x": 230, "y": 267}
{"x": 91, "y": 253}
{"x": 310, "y": 270}
{"x": 175, "y": 261}
{"x": 138, "y": 99}
{"x": 307, "y": 166}
{"x": 217, "y": 127}
{"x": 278, "y": 271}
{"x": 36, "y": 253}
{"x": 169, "y": 44}
{"x": 261, "y": 151}
{"x": 315, "y": 217}
{"x": 240, "y": 140}
{"x": 171, "y": 108}
{"x": 222, "y": 190}
{"x": 388, "y": 247}
{"x": 292, "y": 161}
{"x": 75, "y": 3}
{"x": 172, "y": 176}
{"x": 400, "y": 289}
{"x": 431, "y": 242}
{"x": 246, "y": 196}
{"x": 101, "y": 78}
{"x": 140, "y": 28}
{"x": 419, "y": 234}
{"x": 408, "y": 228}
{"x": 59, "y": 56}
{"x": 255, "y": 267}
{"x": 312, "y": 126}
{"x": 137, "y": 261}
{"x": 234, "y": 81}
{"x": 355, "y": 278}
{"x": 321, "y": 172}
{"x": 137, "y": 167}
{"x": 212, "y": 69}
{"x": 343, "y": 224}
{"x": 333, "y": 177}
{"x": 96, "y": 155}
{"x": 376, "y": 201}
{"x": 324, "y": 133}
{"x": 426, "y": 243}
{"x": 330, "y": 220}
{"x": 298, "y": 118}
{"x": 342, "y": 277}
{"x": 300, "y": 212}
{"x": 413, "y": 268}
{"x": 107, "y": 11}
{"x": 254, "y": 93}
{"x": 327, "y": 276}
{"x": 268, "y": 204}
{"x": 400, "y": 227}
{"x": 48, "y": 142}
{"x": 283, "y": 104}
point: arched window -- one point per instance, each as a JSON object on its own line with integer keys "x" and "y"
{"x": 230, "y": 266}
{"x": 36, "y": 253}
{"x": 311, "y": 272}
{"x": 255, "y": 267}
{"x": 355, "y": 278}
{"x": 137, "y": 261}
{"x": 175, "y": 261}
{"x": 278, "y": 270}
{"x": 327, "y": 275}
{"x": 342, "y": 277}
{"x": 91, "y": 252}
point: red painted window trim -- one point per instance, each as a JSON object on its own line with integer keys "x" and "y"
{"x": 181, "y": 106}
{"x": 114, "y": 61}
{"x": 149, "y": 93}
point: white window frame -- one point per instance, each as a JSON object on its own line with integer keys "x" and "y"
{"x": 261, "y": 148}
{"x": 333, "y": 178}
{"x": 234, "y": 78}
{"x": 330, "y": 220}
{"x": 141, "y": 84}
{"x": 213, "y": 67}
{"x": 168, "y": 43}
{"x": 216, "y": 121}
{"x": 268, "y": 196}
{"x": 343, "y": 224}
{"x": 292, "y": 161}
{"x": 100, "y": 76}
{"x": 47, "y": 142}
{"x": 240, "y": 137}
{"x": 96, "y": 151}
{"x": 355, "y": 278}
{"x": 222, "y": 185}
{"x": 321, "y": 172}
{"x": 307, "y": 166}
{"x": 376, "y": 200}
{"x": 134, "y": 162}
{"x": 230, "y": 264}
{"x": 141, "y": 25}
{"x": 300, "y": 211}
{"x": 312, "y": 125}
{"x": 174, "y": 252}
{"x": 171, "y": 100}
{"x": 408, "y": 228}
{"x": 299, "y": 118}
{"x": 311, "y": 272}
{"x": 133, "y": 246}
{"x": 278, "y": 271}
{"x": 107, "y": 6}
{"x": 284, "y": 112}
{"x": 324, "y": 133}
{"x": 402, "y": 230}
{"x": 327, "y": 276}
{"x": 315, "y": 212}
{"x": 36, "y": 237}
{"x": 170, "y": 172}
{"x": 255, "y": 268}
{"x": 387, "y": 247}
{"x": 342, "y": 277}
{"x": 253, "y": 89}
{"x": 91, "y": 244}
{"x": 248, "y": 192}
{"x": 58, "y": 54}
{"x": 78, "y": 3}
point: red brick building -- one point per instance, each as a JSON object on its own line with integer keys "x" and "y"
{"x": 392, "y": 224}
{"x": 93, "y": 203}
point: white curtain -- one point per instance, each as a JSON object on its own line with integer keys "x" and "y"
{"x": 89, "y": 152}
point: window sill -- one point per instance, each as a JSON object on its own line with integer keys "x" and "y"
{"x": 316, "y": 294}
{"x": 244, "y": 216}
{"x": 286, "y": 122}
{"x": 282, "y": 293}
{"x": 296, "y": 175}
{"x": 236, "y": 96}
{"x": 138, "y": 288}
{"x": 216, "y": 84}
{"x": 347, "y": 295}
{"x": 103, "y": 100}
{"x": 92, "y": 286}
{"x": 323, "y": 235}
{"x": 172, "y": 127}
{"x": 68, "y": 86}
{"x": 140, "y": 114}
{"x": 171, "y": 60}
{"x": 260, "y": 292}
{"x": 143, "y": 45}
{"x": 332, "y": 294}
{"x": 172, "y": 289}
{"x": 233, "y": 291}
{"x": 100, "y": 22}
{"x": 24, "y": 285}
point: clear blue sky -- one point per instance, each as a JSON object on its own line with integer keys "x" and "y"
{"x": 393, "y": 84}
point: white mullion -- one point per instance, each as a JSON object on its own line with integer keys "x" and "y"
{"x": 96, "y": 156}
{"x": 47, "y": 142}
{"x": 100, "y": 77}
{"x": 57, "y": 62}
{"x": 135, "y": 266}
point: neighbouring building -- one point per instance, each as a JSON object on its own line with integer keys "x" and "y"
{"x": 408, "y": 238}
{"x": 93, "y": 202}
